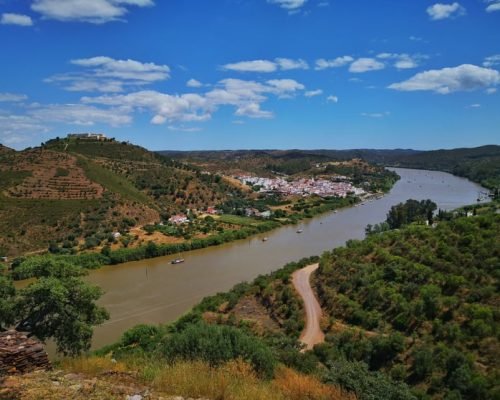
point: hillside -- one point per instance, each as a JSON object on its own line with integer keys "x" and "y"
{"x": 296, "y": 164}
{"x": 480, "y": 164}
{"x": 410, "y": 314}
{"x": 420, "y": 305}
{"x": 70, "y": 190}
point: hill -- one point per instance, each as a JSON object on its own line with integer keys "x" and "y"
{"x": 410, "y": 314}
{"x": 480, "y": 164}
{"x": 70, "y": 190}
{"x": 420, "y": 305}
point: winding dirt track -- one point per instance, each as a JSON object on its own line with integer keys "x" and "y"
{"x": 312, "y": 334}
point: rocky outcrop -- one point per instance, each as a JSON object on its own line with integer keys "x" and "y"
{"x": 21, "y": 354}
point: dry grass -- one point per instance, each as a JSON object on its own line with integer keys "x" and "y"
{"x": 296, "y": 386}
{"x": 92, "y": 366}
{"x": 235, "y": 380}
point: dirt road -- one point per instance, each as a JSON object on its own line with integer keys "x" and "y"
{"x": 312, "y": 333}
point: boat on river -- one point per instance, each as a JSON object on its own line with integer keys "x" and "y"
{"x": 265, "y": 239}
{"x": 177, "y": 261}
{"x": 300, "y": 230}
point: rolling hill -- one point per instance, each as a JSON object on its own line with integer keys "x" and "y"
{"x": 67, "y": 190}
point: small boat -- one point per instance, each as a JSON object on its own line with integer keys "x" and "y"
{"x": 265, "y": 239}
{"x": 300, "y": 231}
{"x": 177, "y": 261}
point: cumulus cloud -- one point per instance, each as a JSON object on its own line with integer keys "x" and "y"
{"x": 16, "y": 19}
{"x": 252, "y": 66}
{"x": 193, "y": 83}
{"x": 245, "y": 96}
{"x": 333, "y": 63}
{"x": 284, "y": 64}
{"x": 81, "y": 114}
{"x": 252, "y": 110}
{"x": 313, "y": 93}
{"x": 441, "y": 11}
{"x": 108, "y": 75}
{"x": 332, "y": 99}
{"x": 289, "y": 5}
{"x": 15, "y": 129}
{"x": 285, "y": 87}
{"x": 492, "y": 61}
{"x": 494, "y": 5}
{"x": 366, "y": 64}
{"x": 93, "y": 11}
{"x": 465, "y": 77}
{"x": 12, "y": 97}
{"x": 491, "y": 90}
{"x": 403, "y": 60}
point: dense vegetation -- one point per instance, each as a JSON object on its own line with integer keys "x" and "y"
{"x": 59, "y": 305}
{"x": 425, "y": 301}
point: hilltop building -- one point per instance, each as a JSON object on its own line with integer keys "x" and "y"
{"x": 87, "y": 136}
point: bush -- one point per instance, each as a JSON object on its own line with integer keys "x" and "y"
{"x": 218, "y": 344}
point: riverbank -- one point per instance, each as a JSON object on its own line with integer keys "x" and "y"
{"x": 154, "y": 291}
{"x": 22, "y": 268}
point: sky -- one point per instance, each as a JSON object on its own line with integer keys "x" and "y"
{"x": 252, "y": 74}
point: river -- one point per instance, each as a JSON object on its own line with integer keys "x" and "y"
{"x": 154, "y": 291}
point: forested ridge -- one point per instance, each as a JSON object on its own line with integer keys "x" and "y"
{"x": 420, "y": 305}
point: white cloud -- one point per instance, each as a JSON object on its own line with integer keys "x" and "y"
{"x": 376, "y": 115}
{"x": 287, "y": 64}
{"x": 415, "y": 38}
{"x": 107, "y": 67}
{"x": 108, "y": 75}
{"x": 289, "y": 5}
{"x": 365, "y": 65}
{"x": 16, "y": 19}
{"x": 93, "y": 11}
{"x": 252, "y": 66}
{"x": 492, "y": 61}
{"x": 285, "y": 87}
{"x": 465, "y": 77}
{"x": 403, "y": 60}
{"x": 440, "y": 11}
{"x": 332, "y": 99}
{"x": 475, "y": 105}
{"x": 252, "y": 110}
{"x": 491, "y": 90}
{"x": 15, "y": 129}
{"x": 12, "y": 97}
{"x": 193, "y": 83}
{"x": 284, "y": 64}
{"x": 312, "y": 93}
{"x": 493, "y": 6}
{"x": 334, "y": 63}
{"x": 245, "y": 96}
{"x": 81, "y": 114}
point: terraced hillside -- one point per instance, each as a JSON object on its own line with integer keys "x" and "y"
{"x": 68, "y": 190}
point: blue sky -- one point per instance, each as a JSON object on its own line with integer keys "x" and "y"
{"x": 231, "y": 74}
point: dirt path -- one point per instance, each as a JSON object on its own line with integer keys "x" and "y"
{"x": 312, "y": 333}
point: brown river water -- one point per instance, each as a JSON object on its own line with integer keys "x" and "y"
{"x": 154, "y": 291}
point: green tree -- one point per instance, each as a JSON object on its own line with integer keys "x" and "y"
{"x": 7, "y": 293}
{"x": 61, "y": 306}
